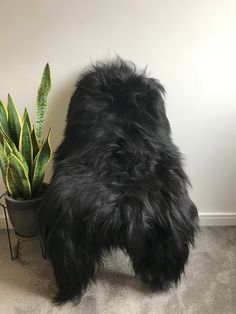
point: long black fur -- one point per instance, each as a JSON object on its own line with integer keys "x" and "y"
{"x": 118, "y": 182}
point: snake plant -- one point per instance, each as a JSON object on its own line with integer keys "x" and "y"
{"x": 24, "y": 155}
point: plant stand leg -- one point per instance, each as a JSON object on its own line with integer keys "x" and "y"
{"x": 17, "y": 248}
{"x": 43, "y": 250}
{"x": 16, "y": 255}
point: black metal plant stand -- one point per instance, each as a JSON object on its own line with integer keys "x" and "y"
{"x": 15, "y": 255}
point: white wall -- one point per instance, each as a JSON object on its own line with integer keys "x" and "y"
{"x": 189, "y": 45}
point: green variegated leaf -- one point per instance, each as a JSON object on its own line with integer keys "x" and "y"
{"x": 27, "y": 118}
{"x": 3, "y": 162}
{"x": 34, "y": 143}
{"x": 39, "y": 166}
{"x": 20, "y": 175}
{"x": 14, "y": 121}
{"x": 12, "y": 185}
{"x": 1, "y": 135}
{"x": 42, "y": 102}
{"x": 3, "y": 118}
{"x": 16, "y": 152}
{"x": 7, "y": 147}
{"x": 4, "y": 136}
{"x": 25, "y": 142}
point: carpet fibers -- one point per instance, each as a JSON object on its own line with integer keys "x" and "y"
{"x": 208, "y": 286}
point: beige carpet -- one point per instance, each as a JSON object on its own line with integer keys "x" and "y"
{"x": 209, "y": 285}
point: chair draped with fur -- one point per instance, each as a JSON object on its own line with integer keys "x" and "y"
{"x": 118, "y": 182}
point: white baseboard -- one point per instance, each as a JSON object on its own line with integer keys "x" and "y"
{"x": 217, "y": 218}
{"x": 206, "y": 219}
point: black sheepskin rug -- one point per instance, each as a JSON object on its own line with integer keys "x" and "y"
{"x": 118, "y": 182}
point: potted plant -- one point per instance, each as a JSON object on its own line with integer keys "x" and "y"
{"x": 24, "y": 156}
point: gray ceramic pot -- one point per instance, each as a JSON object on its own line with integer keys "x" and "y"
{"x": 23, "y": 215}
